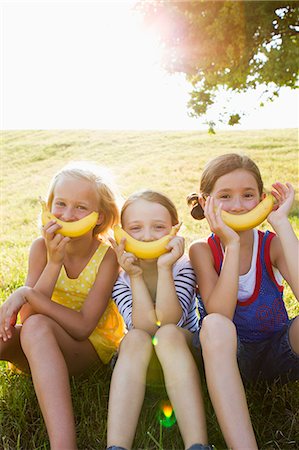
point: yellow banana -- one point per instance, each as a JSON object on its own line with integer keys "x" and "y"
{"x": 144, "y": 250}
{"x": 70, "y": 229}
{"x": 251, "y": 219}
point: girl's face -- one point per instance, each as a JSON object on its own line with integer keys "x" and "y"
{"x": 146, "y": 221}
{"x": 237, "y": 191}
{"x": 73, "y": 199}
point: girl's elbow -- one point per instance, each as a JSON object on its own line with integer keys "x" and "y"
{"x": 84, "y": 331}
{"x": 82, "y": 335}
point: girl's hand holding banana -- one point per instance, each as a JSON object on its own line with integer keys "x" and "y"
{"x": 126, "y": 260}
{"x": 284, "y": 195}
{"x": 55, "y": 242}
{"x": 175, "y": 247}
{"x": 217, "y": 225}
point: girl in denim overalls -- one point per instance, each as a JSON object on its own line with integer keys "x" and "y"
{"x": 246, "y": 329}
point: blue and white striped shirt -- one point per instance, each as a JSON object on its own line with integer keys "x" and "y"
{"x": 185, "y": 283}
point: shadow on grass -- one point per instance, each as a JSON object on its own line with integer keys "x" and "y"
{"x": 274, "y": 412}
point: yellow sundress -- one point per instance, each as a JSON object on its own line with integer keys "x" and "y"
{"x": 72, "y": 293}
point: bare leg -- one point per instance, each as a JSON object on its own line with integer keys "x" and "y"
{"x": 11, "y": 351}
{"x": 127, "y": 388}
{"x": 182, "y": 383}
{"x": 53, "y": 355}
{"x": 219, "y": 346}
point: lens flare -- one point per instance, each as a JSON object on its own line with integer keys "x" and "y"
{"x": 166, "y": 414}
{"x": 155, "y": 340}
{"x": 167, "y": 409}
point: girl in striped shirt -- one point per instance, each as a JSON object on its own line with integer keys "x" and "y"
{"x": 157, "y": 300}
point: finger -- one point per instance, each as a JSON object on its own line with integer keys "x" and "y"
{"x": 129, "y": 257}
{"x": 64, "y": 240}
{"x": 3, "y": 335}
{"x": 112, "y": 242}
{"x": 120, "y": 248}
{"x": 177, "y": 227}
{"x": 49, "y": 232}
{"x": 7, "y": 323}
{"x": 175, "y": 241}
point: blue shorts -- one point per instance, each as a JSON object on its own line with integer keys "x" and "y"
{"x": 270, "y": 359}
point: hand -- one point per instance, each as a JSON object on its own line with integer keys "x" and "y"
{"x": 126, "y": 260}
{"x": 9, "y": 311}
{"x": 55, "y": 243}
{"x": 213, "y": 215}
{"x": 176, "y": 247}
{"x": 284, "y": 195}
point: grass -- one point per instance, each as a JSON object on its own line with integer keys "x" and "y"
{"x": 168, "y": 161}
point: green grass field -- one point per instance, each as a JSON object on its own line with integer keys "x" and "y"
{"x": 170, "y": 162}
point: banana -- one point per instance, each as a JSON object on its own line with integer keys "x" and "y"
{"x": 144, "y": 250}
{"x": 251, "y": 219}
{"x": 70, "y": 229}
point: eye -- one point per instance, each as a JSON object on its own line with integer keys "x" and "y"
{"x": 135, "y": 228}
{"x": 160, "y": 227}
{"x": 248, "y": 195}
{"x": 59, "y": 203}
{"x": 224, "y": 196}
{"x": 82, "y": 207}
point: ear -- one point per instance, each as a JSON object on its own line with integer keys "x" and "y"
{"x": 263, "y": 196}
{"x": 100, "y": 219}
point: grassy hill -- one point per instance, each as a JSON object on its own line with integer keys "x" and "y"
{"x": 172, "y": 163}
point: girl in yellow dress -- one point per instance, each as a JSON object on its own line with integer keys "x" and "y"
{"x": 69, "y": 319}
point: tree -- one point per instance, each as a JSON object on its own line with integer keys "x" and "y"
{"x": 231, "y": 44}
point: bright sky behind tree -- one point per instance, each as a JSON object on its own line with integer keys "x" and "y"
{"x": 70, "y": 64}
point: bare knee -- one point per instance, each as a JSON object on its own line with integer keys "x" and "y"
{"x": 35, "y": 329}
{"x": 169, "y": 337}
{"x": 217, "y": 334}
{"x": 136, "y": 343}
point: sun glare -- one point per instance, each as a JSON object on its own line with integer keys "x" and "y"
{"x": 99, "y": 69}
{"x": 77, "y": 64}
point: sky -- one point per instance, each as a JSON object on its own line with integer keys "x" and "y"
{"x": 68, "y": 64}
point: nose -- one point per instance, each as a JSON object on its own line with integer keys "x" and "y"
{"x": 68, "y": 214}
{"x": 237, "y": 204}
{"x": 147, "y": 235}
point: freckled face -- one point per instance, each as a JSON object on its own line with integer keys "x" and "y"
{"x": 146, "y": 221}
{"x": 237, "y": 191}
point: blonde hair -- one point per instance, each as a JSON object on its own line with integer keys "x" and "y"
{"x": 154, "y": 197}
{"x": 101, "y": 179}
{"x": 216, "y": 168}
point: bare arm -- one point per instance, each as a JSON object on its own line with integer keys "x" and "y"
{"x": 143, "y": 309}
{"x": 219, "y": 293}
{"x": 168, "y": 307}
{"x": 16, "y": 302}
{"x": 285, "y": 250}
{"x": 80, "y": 324}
